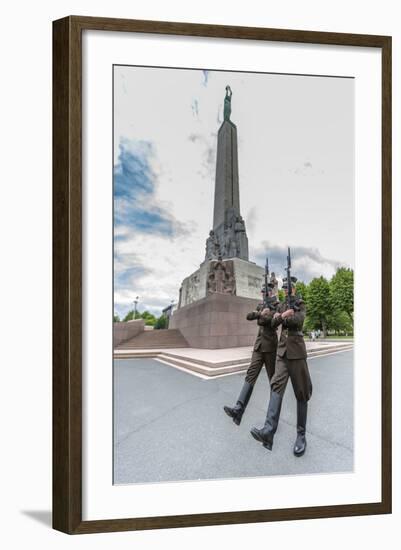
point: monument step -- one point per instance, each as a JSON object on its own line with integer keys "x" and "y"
{"x": 199, "y": 361}
{"x": 210, "y": 369}
{"x": 233, "y": 357}
{"x": 217, "y": 369}
{"x": 156, "y": 339}
{"x": 247, "y": 356}
{"x": 329, "y": 347}
{"x": 218, "y": 366}
{"x": 207, "y": 371}
{"x": 329, "y": 350}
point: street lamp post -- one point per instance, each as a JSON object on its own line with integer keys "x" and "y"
{"x": 135, "y": 303}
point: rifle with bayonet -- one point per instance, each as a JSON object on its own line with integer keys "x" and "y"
{"x": 270, "y": 302}
{"x": 291, "y": 300}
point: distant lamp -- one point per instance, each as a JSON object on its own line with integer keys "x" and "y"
{"x": 135, "y": 302}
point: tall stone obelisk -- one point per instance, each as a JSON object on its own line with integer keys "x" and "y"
{"x": 228, "y": 237}
{"x": 214, "y": 300}
{"x": 226, "y": 191}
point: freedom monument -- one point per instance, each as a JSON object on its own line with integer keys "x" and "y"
{"x": 214, "y": 300}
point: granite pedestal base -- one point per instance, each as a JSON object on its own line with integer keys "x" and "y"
{"x": 248, "y": 277}
{"x": 217, "y": 321}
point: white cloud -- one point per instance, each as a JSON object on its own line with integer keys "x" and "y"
{"x": 166, "y": 263}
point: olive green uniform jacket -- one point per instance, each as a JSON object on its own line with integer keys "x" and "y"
{"x": 266, "y": 339}
{"x": 291, "y": 354}
{"x": 292, "y": 340}
{"x": 265, "y": 348}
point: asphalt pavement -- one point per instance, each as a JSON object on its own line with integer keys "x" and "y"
{"x": 170, "y": 425}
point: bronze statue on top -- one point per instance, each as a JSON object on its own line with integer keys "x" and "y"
{"x": 227, "y": 103}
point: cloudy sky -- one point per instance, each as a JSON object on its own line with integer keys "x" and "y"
{"x": 296, "y": 173}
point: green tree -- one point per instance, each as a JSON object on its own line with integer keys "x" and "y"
{"x": 129, "y": 316}
{"x": 340, "y": 322}
{"x": 281, "y": 295}
{"x": 116, "y": 318}
{"x": 342, "y": 291}
{"x": 149, "y": 318}
{"x": 161, "y": 322}
{"x": 309, "y": 324}
{"x": 302, "y": 290}
{"x": 319, "y": 305}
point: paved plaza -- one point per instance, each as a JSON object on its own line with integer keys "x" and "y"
{"x": 169, "y": 425}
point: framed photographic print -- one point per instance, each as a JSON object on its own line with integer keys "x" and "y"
{"x": 221, "y": 274}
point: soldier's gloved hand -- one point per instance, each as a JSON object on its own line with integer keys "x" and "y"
{"x": 287, "y": 313}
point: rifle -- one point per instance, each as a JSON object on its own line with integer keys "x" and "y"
{"x": 290, "y": 298}
{"x": 266, "y": 293}
{"x": 268, "y": 301}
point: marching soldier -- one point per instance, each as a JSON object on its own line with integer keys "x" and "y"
{"x": 290, "y": 363}
{"x": 264, "y": 353}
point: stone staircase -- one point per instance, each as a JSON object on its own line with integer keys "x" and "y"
{"x": 155, "y": 339}
{"x": 194, "y": 362}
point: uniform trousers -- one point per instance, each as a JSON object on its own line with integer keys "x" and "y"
{"x": 258, "y": 360}
{"x": 297, "y": 370}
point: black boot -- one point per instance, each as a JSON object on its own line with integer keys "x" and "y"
{"x": 300, "y": 443}
{"x": 265, "y": 435}
{"x": 238, "y": 410}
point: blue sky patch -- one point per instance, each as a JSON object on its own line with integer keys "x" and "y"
{"x": 135, "y": 201}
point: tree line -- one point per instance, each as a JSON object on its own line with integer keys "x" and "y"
{"x": 329, "y": 303}
{"x": 150, "y": 319}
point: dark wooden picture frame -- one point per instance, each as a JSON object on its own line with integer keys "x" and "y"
{"x": 67, "y": 274}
